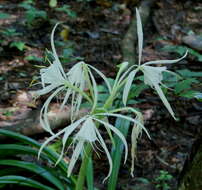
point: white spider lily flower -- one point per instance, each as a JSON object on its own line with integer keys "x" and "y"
{"x": 51, "y": 79}
{"x": 87, "y": 133}
{"x": 153, "y": 76}
{"x": 77, "y": 79}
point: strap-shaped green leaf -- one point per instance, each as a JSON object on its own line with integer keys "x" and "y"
{"x": 116, "y": 153}
{"x": 36, "y": 169}
{"x": 23, "y": 181}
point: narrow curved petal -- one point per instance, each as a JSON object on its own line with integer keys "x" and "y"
{"x": 54, "y": 51}
{"x": 67, "y": 132}
{"x": 127, "y": 86}
{"x": 44, "y": 111}
{"x": 140, "y": 35}
{"x": 103, "y": 77}
{"x": 94, "y": 90}
{"x": 127, "y": 118}
{"x": 118, "y": 133}
{"x": 49, "y": 140}
{"x": 46, "y": 90}
{"x": 67, "y": 94}
{"x": 75, "y": 156}
{"x": 166, "y": 61}
{"x": 102, "y": 143}
{"x": 164, "y": 100}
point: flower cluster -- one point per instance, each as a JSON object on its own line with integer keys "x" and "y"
{"x": 72, "y": 85}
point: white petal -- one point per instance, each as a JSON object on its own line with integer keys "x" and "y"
{"x": 94, "y": 90}
{"x": 51, "y": 75}
{"x": 87, "y": 131}
{"x": 117, "y": 132}
{"x": 153, "y": 75}
{"x": 123, "y": 76}
{"x": 166, "y": 61}
{"x": 102, "y": 76}
{"x": 68, "y": 93}
{"x": 75, "y": 156}
{"x": 140, "y": 35}
{"x": 55, "y": 53}
{"x": 127, "y": 118}
{"x": 127, "y": 86}
{"x": 44, "y": 111}
{"x": 49, "y": 140}
{"x": 164, "y": 100}
{"x": 46, "y": 90}
{"x": 102, "y": 143}
{"x": 67, "y": 132}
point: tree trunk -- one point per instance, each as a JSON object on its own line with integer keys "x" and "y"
{"x": 192, "y": 172}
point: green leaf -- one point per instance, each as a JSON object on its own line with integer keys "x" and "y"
{"x": 53, "y": 156}
{"x": 66, "y": 9}
{"x": 34, "y": 13}
{"x": 187, "y": 73}
{"x": 33, "y": 58}
{"x": 181, "y": 50}
{"x": 136, "y": 90}
{"x": 123, "y": 126}
{"x": 188, "y": 94}
{"x": 184, "y": 85}
{"x": 89, "y": 174}
{"x": 10, "y": 32}
{"x": 19, "y": 45}
{"x": 53, "y": 3}
{"x": 4, "y": 15}
{"x": 36, "y": 169}
{"x": 23, "y": 181}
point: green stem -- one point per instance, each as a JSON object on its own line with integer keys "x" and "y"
{"x": 83, "y": 168}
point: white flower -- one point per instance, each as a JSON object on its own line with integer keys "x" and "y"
{"x": 88, "y": 133}
{"x": 153, "y": 76}
{"x": 85, "y": 130}
{"x": 77, "y": 79}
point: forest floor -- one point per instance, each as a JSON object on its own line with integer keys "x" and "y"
{"x": 95, "y": 35}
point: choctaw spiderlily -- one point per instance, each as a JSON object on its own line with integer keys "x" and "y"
{"x": 88, "y": 132}
{"x": 153, "y": 76}
{"x": 71, "y": 84}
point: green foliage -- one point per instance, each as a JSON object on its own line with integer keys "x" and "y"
{"x": 163, "y": 179}
{"x": 181, "y": 50}
{"x": 135, "y": 91}
{"x": 67, "y": 54}
{"x": 4, "y": 15}
{"x": 33, "y": 58}
{"x": 10, "y": 32}
{"x": 67, "y": 10}
{"x": 32, "y": 13}
{"x": 184, "y": 83}
{"x": 117, "y": 152}
{"x": 19, "y": 45}
{"x": 15, "y": 170}
{"x": 7, "y": 113}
